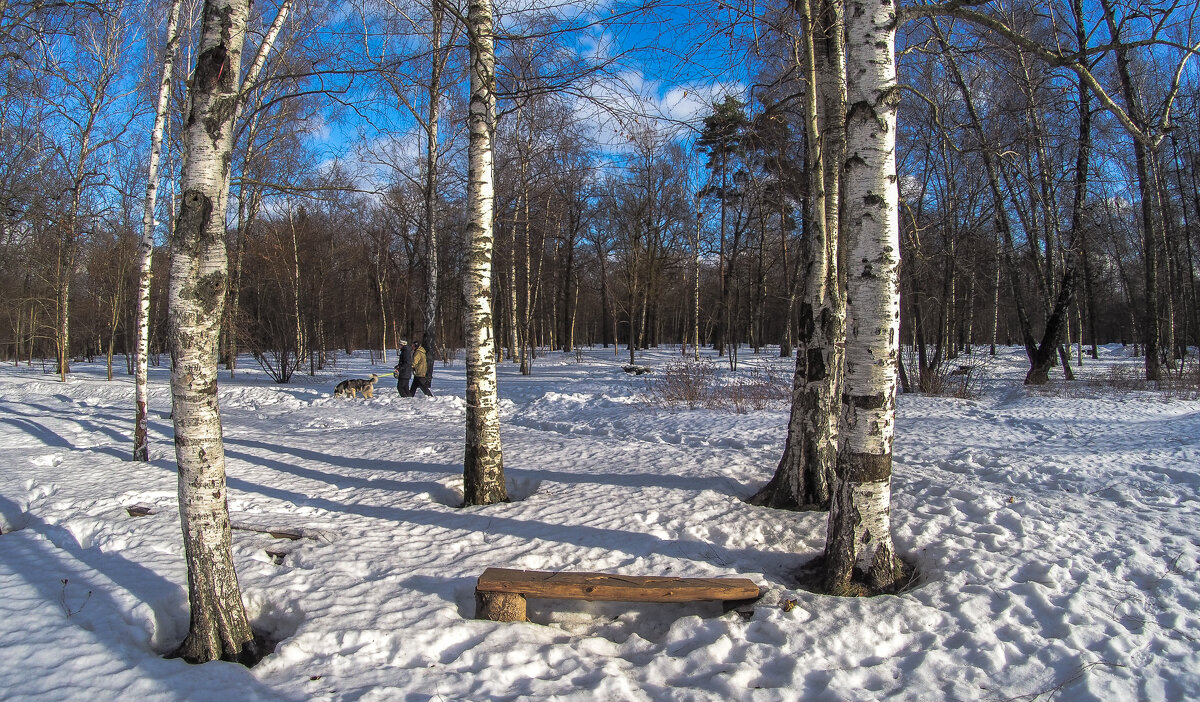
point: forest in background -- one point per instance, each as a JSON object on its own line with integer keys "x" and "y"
{"x": 615, "y": 224}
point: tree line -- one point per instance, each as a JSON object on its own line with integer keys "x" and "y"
{"x": 673, "y": 235}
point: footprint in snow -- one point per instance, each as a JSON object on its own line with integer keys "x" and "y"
{"x": 48, "y": 460}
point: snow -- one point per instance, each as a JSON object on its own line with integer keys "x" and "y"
{"x": 1056, "y": 533}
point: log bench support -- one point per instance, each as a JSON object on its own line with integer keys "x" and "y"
{"x": 500, "y": 606}
{"x": 500, "y": 593}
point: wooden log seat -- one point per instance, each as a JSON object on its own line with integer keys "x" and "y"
{"x": 500, "y": 593}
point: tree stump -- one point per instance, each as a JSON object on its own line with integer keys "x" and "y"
{"x": 500, "y": 606}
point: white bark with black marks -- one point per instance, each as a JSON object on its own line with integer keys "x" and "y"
{"x": 859, "y": 554}
{"x": 429, "y": 337}
{"x": 483, "y": 465}
{"x": 141, "y": 449}
{"x": 196, "y": 299}
{"x": 803, "y": 479}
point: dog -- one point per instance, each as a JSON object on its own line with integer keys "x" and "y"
{"x": 353, "y": 386}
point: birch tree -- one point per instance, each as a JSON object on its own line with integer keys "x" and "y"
{"x": 859, "y": 554}
{"x": 1146, "y": 127}
{"x": 89, "y": 108}
{"x": 804, "y": 475}
{"x": 483, "y": 465}
{"x": 219, "y": 628}
{"x": 1145, "y": 144}
{"x": 1041, "y": 354}
{"x": 146, "y": 245}
{"x": 438, "y": 59}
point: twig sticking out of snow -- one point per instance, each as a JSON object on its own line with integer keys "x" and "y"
{"x": 278, "y": 532}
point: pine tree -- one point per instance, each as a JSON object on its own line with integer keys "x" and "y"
{"x": 722, "y": 137}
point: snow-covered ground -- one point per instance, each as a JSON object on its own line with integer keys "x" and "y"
{"x": 1057, "y": 533}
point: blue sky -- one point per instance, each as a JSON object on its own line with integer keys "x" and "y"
{"x": 670, "y": 63}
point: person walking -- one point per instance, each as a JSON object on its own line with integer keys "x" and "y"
{"x": 421, "y": 373}
{"x": 404, "y": 369}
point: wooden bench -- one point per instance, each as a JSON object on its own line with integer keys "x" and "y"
{"x": 500, "y": 593}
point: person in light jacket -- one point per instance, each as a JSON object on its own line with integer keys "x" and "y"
{"x": 422, "y": 372}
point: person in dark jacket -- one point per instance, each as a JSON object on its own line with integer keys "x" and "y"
{"x": 421, "y": 371}
{"x": 404, "y": 370}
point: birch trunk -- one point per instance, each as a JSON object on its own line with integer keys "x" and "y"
{"x": 381, "y": 294}
{"x": 723, "y": 289}
{"x": 1170, "y": 351}
{"x": 1143, "y": 155}
{"x": 1088, "y": 287}
{"x": 62, "y": 301}
{"x": 1079, "y": 233}
{"x": 859, "y": 554}
{"x": 760, "y": 294}
{"x": 429, "y": 336}
{"x": 967, "y": 342}
{"x": 141, "y": 446}
{"x": 199, "y": 277}
{"x": 483, "y": 466}
{"x": 995, "y": 295}
{"x": 1004, "y": 227}
{"x": 1190, "y": 275}
{"x": 608, "y": 319}
{"x": 68, "y": 249}
{"x": 246, "y": 217}
{"x": 526, "y": 314}
{"x": 786, "y": 347}
{"x": 114, "y": 313}
{"x": 513, "y": 327}
{"x": 249, "y": 83}
{"x": 804, "y": 475}
{"x": 574, "y": 314}
{"x": 696, "y": 287}
{"x": 570, "y": 289}
{"x": 298, "y": 327}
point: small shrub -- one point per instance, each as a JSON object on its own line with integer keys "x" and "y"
{"x": 1124, "y": 377}
{"x": 279, "y": 364}
{"x": 965, "y": 380}
{"x": 691, "y": 384}
{"x": 697, "y": 385}
{"x": 1181, "y": 383}
{"x": 761, "y": 388}
{"x": 1184, "y": 383}
{"x": 960, "y": 377}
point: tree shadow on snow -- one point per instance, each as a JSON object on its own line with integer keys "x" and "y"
{"x": 40, "y": 432}
{"x": 65, "y": 575}
{"x": 521, "y": 479}
{"x": 352, "y": 463}
{"x": 53, "y": 439}
{"x": 349, "y": 482}
{"x": 485, "y": 520}
{"x": 166, "y": 430}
